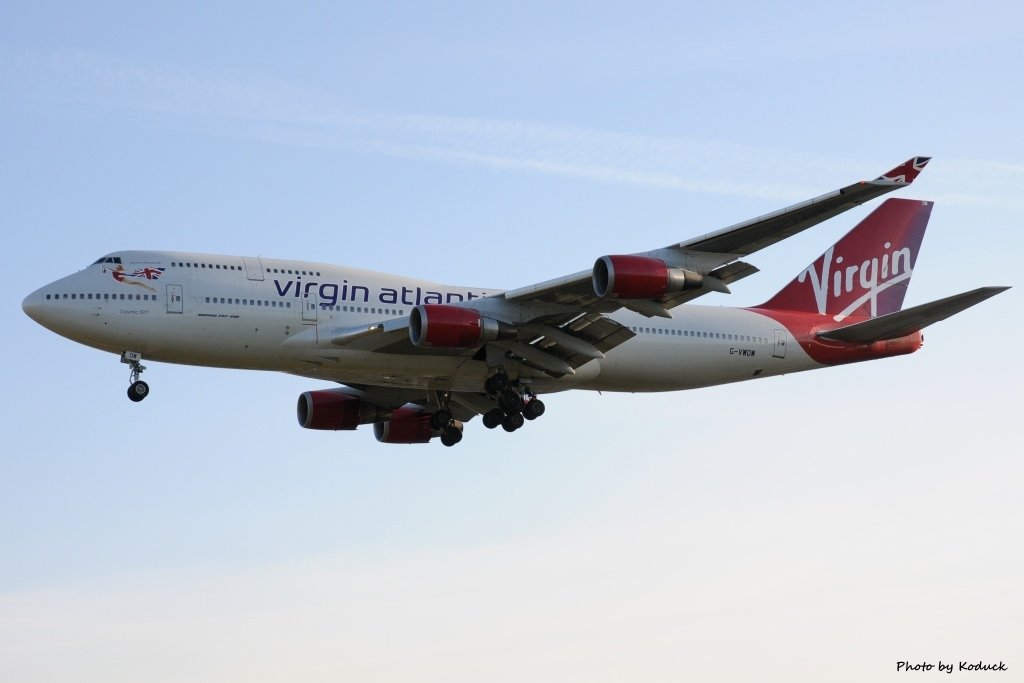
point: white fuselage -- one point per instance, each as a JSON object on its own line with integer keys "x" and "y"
{"x": 270, "y": 314}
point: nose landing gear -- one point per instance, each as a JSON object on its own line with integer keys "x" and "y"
{"x": 138, "y": 389}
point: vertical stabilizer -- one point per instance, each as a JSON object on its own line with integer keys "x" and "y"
{"x": 866, "y": 273}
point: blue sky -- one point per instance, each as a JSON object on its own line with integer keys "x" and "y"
{"x": 833, "y": 521}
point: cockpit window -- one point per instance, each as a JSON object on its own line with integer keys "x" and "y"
{"x": 107, "y": 259}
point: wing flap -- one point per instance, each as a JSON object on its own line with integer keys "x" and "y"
{"x": 567, "y": 342}
{"x": 907, "y": 321}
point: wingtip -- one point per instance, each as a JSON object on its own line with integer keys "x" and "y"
{"x": 906, "y": 172}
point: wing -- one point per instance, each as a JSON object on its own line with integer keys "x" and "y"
{"x": 715, "y": 255}
{"x": 557, "y": 326}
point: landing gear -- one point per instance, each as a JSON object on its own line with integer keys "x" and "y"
{"x": 138, "y": 389}
{"x": 496, "y": 383}
{"x": 513, "y": 422}
{"x": 511, "y": 400}
{"x": 533, "y": 409}
{"x": 441, "y": 419}
{"x": 516, "y": 403}
{"x": 493, "y": 417}
{"x": 451, "y": 435}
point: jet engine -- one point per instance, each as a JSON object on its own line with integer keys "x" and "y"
{"x": 408, "y": 424}
{"x": 454, "y": 327}
{"x": 640, "y": 277}
{"x": 330, "y": 409}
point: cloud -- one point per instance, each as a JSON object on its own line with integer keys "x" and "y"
{"x": 241, "y": 104}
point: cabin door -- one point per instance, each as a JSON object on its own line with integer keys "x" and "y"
{"x": 309, "y": 305}
{"x": 253, "y": 267}
{"x": 175, "y": 300}
{"x": 779, "y": 350}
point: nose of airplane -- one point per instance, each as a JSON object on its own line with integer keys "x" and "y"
{"x": 33, "y": 305}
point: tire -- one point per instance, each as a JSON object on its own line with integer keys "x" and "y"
{"x": 511, "y": 401}
{"x": 138, "y": 391}
{"x": 440, "y": 419}
{"x": 493, "y": 417}
{"x": 513, "y": 422}
{"x": 496, "y": 383}
{"x": 451, "y": 436}
{"x": 533, "y": 409}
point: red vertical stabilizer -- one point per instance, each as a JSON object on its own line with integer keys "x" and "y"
{"x": 866, "y": 273}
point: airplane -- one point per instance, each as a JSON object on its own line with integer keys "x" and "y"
{"x": 420, "y": 359}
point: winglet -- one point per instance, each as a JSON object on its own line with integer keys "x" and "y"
{"x": 905, "y": 173}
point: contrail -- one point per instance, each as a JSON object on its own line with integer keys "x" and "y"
{"x": 240, "y": 104}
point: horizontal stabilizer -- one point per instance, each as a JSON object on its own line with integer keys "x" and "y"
{"x": 902, "y": 323}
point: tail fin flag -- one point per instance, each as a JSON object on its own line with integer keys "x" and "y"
{"x": 906, "y": 172}
{"x": 865, "y": 273}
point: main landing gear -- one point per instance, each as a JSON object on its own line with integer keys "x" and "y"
{"x": 138, "y": 389}
{"x": 516, "y": 404}
{"x": 441, "y": 420}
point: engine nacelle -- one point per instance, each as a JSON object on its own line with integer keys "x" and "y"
{"x": 329, "y": 409}
{"x": 454, "y": 327}
{"x": 408, "y": 424}
{"x": 640, "y": 277}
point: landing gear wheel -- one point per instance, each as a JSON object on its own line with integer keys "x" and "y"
{"x": 511, "y": 400}
{"x": 493, "y": 417}
{"x": 441, "y": 419}
{"x": 533, "y": 409}
{"x": 138, "y": 390}
{"x": 513, "y": 422}
{"x": 496, "y": 383}
{"x": 451, "y": 436}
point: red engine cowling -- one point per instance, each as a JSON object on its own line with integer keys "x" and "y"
{"x": 640, "y": 277}
{"x": 408, "y": 424}
{"x": 329, "y": 409}
{"x": 453, "y": 327}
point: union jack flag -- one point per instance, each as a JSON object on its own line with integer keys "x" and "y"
{"x": 148, "y": 273}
